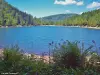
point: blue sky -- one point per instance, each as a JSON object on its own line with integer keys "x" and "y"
{"x": 40, "y": 8}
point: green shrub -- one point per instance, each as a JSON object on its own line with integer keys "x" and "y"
{"x": 70, "y": 55}
{"x": 13, "y": 61}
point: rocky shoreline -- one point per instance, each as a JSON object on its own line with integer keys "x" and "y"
{"x": 45, "y": 58}
{"x": 52, "y": 26}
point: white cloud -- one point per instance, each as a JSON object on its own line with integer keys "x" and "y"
{"x": 68, "y": 11}
{"x": 94, "y": 5}
{"x": 68, "y": 2}
{"x": 79, "y": 3}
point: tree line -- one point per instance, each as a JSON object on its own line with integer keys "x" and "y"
{"x": 91, "y": 18}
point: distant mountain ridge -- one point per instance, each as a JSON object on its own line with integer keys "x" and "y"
{"x": 58, "y": 17}
{"x": 11, "y": 16}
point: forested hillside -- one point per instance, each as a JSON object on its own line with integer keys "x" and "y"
{"x": 91, "y": 18}
{"x": 58, "y": 17}
{"x": 11, "y": 16}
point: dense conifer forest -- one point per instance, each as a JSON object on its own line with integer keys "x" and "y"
{"x": 91, "y": 18}
{"x": 11, "y": 16}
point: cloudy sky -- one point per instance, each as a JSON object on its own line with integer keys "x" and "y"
{"x": 40, "y": 8}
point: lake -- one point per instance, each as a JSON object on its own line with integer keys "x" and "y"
{"x": 36, "y": 38}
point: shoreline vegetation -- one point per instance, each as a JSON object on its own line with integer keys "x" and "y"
{"x": 67, "y": 58}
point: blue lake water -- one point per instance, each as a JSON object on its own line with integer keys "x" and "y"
{"x": 36, "y": 39}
